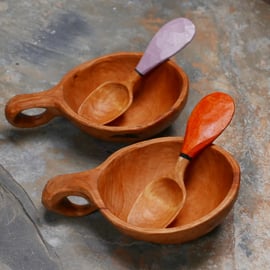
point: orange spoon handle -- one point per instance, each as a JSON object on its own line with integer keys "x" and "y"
{"x": 206, "y": 122}
{"x": 58, "y": 189}
{"x": 43, "y": 100}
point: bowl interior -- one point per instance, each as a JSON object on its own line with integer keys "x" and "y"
{"x": 208, "y": 179}
{"x": 159, "y": 90}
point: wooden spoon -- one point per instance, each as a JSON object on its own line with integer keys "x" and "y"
{"x": 111, "y": 99}
{"x": 162, "y": 199}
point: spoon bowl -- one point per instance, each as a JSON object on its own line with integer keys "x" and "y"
{"x": 108, "y": 101}
{"x": 212, "y": 182}
{"x": 162, "y": 96}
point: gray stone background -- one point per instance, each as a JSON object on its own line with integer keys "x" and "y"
{"x": 40, "y": 40}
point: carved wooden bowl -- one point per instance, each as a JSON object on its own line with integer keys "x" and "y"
{"x": 212, "y": 181}
{"x": 158, "y": 102}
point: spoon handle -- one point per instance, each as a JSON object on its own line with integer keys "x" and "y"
{"x": 170, "y": 39}
{"x": 206, "y": 122}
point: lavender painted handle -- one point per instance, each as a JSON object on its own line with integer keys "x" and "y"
{"x": 170, "y": 39}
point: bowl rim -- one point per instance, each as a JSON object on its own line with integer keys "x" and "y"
{"x": 228, "y": 200}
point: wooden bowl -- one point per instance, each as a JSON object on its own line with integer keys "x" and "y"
{"x": 212, "y": 181}
{"x": 158, "y": 102}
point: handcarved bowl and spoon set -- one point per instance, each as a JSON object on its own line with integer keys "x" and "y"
{"x": 164, "y": 190}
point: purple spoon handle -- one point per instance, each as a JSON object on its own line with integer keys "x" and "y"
{"x": 171, "y": 38}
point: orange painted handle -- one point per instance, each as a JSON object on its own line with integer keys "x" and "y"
{"x": 58, "y": 189}
{"x": 207, "y": 121}
{"x": 43, "y": 100}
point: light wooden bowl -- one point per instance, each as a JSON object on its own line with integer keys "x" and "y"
{"x": 212, "y": 181}
{"x": 158, "y": 102}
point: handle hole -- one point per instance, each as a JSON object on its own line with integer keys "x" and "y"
{"x": 78, "y": 200}
{"x": 33, "y": 111}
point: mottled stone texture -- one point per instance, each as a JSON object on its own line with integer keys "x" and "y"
{"x": 40, "y": 40}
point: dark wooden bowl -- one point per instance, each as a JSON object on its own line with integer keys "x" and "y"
{"x": 157, "y": 103}
{"x": 212, "y": 181}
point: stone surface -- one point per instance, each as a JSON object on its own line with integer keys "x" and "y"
{"x": 40, "y": 40}
{"x": 22, "y": 245}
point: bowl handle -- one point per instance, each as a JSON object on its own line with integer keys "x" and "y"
{"x": 56, "y": 193}
{"x": 16, "y": 106}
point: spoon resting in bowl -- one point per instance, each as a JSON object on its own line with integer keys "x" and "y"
{"x": 162, "y": 199}
{"x": 111, "y": 99}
